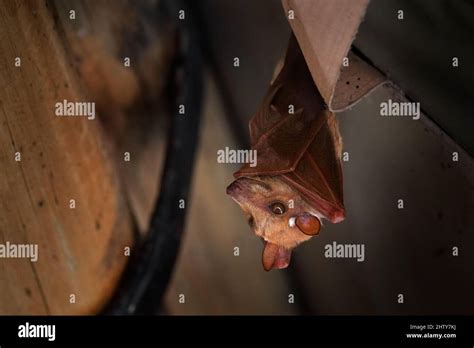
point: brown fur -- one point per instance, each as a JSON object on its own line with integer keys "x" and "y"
{"x": 255, "y": 195}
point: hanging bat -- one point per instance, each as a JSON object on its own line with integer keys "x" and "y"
{"x": 297, "y": 181}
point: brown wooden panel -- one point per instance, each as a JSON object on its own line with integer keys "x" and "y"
{"x": 62, "y": 158}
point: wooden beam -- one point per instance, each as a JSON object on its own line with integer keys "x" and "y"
{"x": 325, "y": 31}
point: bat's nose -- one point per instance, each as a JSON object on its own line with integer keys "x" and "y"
{"x": 233, "y": 188}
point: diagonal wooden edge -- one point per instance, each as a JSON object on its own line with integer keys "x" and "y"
{"x": 355, "y": 82}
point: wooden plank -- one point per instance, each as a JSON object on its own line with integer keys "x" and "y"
{"x": 62, "y": 158}
{"x": 325, "y": 31}
{"x": 129, "y": 99}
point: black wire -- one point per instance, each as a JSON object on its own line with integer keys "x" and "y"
{"x": 148, "y": 273}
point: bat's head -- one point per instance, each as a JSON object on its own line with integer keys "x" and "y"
{"x": 276, "y": 213}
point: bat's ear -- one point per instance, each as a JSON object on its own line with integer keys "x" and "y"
{"x": 308, "y": 224}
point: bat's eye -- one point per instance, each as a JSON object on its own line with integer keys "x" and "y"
{"x": 251, "y": 221}
{"x": 278, "y": 208}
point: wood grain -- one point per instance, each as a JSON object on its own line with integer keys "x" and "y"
{"x": 63, "y": 158}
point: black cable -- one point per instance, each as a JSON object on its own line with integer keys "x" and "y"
{"x": 148, "y": 273}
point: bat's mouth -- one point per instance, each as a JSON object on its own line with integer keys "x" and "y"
{"x": 275, "y": 256}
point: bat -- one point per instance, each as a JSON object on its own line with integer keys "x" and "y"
{"x": 297, "y": 181}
